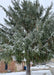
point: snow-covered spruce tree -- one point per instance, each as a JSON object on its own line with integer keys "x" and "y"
{"x": 32, "y": 31}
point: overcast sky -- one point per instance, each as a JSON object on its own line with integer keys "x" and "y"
{"x": 6, "y": 3}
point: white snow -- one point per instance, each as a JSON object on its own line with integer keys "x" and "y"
{"x": 50, "y": 65}
{"x": 40, "y": 72}
{"x": 39, "y": 67}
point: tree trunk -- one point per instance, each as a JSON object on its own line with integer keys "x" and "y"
{"x": 28, "y": 69}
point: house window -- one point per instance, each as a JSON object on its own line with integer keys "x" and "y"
{"x": 6, "y": 66}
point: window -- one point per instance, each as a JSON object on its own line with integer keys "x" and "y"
{"x": 6, "y": 66}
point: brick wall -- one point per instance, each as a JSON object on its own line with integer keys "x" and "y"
{"x": 2, "y": 67}
{"x": 11, "y": 66}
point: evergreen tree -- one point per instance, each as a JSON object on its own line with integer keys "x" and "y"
{"x": 31, "y": 33}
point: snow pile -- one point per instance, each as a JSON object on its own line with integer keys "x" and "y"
{"x": 51, "y": 65}
{"x": 41, "y": 72}
{"x": 39, "y": 67}
{"x": 13, "y": 73}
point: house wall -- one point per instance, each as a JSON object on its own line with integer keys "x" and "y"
{"x": 11, "y": 66}
{"x": 2, "y": 67}
{"x": 52, "y": 60}
{"x": 19, "y": 67}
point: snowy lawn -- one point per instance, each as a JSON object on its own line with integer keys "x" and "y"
{"x": 39, "y": 67}
{"x": 51, "y": 65}
{"x": 40, "y": 72}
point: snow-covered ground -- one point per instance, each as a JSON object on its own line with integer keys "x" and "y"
{"x": 51, "y": 65}
{"x": 40, "y": 72}
{"x": 43, "y": 67}
{"x": 39, "y": 67}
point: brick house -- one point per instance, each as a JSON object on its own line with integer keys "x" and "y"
{"x": 12, "y": 66}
